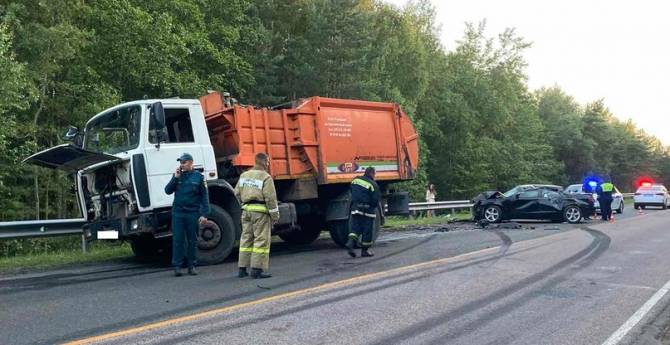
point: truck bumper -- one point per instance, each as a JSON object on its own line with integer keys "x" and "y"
{"x": 155, "y": 223}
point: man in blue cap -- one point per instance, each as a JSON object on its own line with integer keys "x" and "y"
{"x": 190, "y": 208}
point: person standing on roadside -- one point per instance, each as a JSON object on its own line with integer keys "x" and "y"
{"x": 430, "y": 197}
{"x": 189, "y": 209}
{"x": 365, "y": 195}
{"x": 605, "y": 199}
{"x": 255, "y": 190}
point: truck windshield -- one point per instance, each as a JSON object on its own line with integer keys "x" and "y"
{"x": 115, "y": 131}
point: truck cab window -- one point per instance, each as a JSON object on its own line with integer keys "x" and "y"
{"x": 178, "y": 128}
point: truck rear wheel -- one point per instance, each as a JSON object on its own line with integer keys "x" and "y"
{"x": 217, "y": 238}
{"x": 339, "y": 229}
{"x": 310, "y": 229}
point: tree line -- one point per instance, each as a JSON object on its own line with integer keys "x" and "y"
{"x": 480, "y": 125}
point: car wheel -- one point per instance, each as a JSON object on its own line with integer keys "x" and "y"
{"x": 572, "y": 214}
{"x": 493, "y": 214}
{"x": 620, "y": 209}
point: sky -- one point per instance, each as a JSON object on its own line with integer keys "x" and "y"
{"x": 614, "y": 50}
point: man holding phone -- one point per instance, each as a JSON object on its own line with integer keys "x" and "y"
{"x": 189, "y": 209}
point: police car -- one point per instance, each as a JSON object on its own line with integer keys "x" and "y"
{"x": 651, "y": 195}
{"x": 617, "y": 197}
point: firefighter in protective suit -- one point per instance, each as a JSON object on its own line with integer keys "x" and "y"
{"x": 365, "y": 196}
{"x": 256, "y": 192}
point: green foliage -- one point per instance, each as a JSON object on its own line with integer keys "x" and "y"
{"x": 480, "y": 126}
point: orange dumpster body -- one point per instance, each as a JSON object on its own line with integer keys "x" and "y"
{"x": 326, "y": 140}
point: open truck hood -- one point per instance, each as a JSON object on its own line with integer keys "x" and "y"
{"x": 68, "y": 158}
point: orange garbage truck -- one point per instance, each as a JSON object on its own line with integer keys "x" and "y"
{"x": 125, "y": 155}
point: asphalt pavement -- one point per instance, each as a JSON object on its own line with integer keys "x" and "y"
{"x": 541, "y": 283}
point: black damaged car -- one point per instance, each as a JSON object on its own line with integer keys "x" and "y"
{"x": 542, "y": 202}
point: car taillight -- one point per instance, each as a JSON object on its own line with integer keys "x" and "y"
{"x": 591, "y": 200}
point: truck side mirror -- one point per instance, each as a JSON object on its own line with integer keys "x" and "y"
{"x": 72, "y": 134}
{"x": 157, "y": 122}
{"x": 157, "y": 115}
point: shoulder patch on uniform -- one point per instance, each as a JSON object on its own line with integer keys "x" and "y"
{"x": 251, "y": 182}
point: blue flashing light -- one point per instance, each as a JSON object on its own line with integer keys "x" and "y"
{"x": 590, "y": 183}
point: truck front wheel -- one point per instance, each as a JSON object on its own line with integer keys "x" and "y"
{"x": 339, "y": 229}
{"x": 217, "y": 238}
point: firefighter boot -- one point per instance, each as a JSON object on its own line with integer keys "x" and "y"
{"x": 258, "y": 273}
{"x": 350, "y": 247}
{"x": 242, "y": 272}
{"x": 192, "y": 271}
{"x": 365, "y": 252}
{"x": 177, "y": 272}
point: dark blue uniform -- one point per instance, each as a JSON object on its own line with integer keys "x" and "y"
{"x": 365, "y": 195}
{"x": 191, "y": 201}
{"x": 605, "y": 199}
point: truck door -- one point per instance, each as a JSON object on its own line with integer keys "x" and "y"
{"x": 161, "y": 160}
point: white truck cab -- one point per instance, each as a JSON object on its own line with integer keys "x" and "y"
{"x": 124, "y": 158}
{"x": 126, "y": 139}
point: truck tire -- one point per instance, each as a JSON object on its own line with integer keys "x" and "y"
{"x": 339, "y": 230}
{"x": 217, "y": 238}
{"x": 310, "y": 229}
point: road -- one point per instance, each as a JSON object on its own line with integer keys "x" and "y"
{"x": 546, "y": 285}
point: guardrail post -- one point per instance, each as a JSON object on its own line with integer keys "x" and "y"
{"x": 83, "y": 243}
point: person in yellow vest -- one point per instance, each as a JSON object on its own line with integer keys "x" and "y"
{"x": 605, "y": 199}
{"x": 256, "y": 192}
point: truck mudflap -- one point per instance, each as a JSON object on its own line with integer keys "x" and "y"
{"x": 68, "y": 158}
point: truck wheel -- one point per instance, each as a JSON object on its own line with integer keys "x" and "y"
{"x": 339, "y": 230}
{"x": 216, "y": 238}
{"x": 310, "y": 229}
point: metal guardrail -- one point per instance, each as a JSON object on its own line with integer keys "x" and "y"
{"x": 41, "y": 228}
{"x": 439, "y": 205}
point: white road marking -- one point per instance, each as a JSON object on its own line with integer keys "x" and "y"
{"x": 629, "y": 286}
{"x": 620, "y": 333}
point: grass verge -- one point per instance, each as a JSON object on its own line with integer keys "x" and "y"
{"x": 96, "y": 252}
{"x": 399, "y": 222}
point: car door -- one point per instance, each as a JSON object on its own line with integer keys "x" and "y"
{"x": 524, "y": 204}
{"x": 550, "y": 204}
